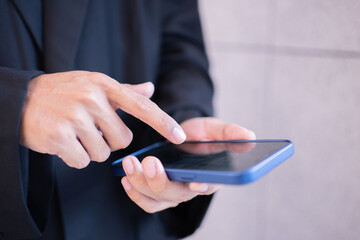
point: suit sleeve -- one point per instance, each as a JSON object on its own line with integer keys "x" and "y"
{"x": 185, "y": 91}
{"x": 16, "y": 219}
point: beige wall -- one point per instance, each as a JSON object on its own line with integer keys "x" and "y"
{"x": 289, "y": 69}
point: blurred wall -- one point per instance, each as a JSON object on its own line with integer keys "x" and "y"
{"x": 289, "y": 69}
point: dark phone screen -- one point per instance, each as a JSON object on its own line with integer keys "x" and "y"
{"x": 220, "y": 156}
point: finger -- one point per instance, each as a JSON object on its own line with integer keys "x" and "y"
{"x": 241, "y": 147}
{"x": 147, "y": 111}
{"x": 74, "y": 154}
{"x": 234, "y": 132}
{"x": 204, "y": 188}
{"x": 146, "y": 203}
{"x": 203, "y": 148}
{"x": 146, "y": 89}
{"x": 93, "y": 142}
{"x": 159, "y": 183}
{"x": 219, "y": 130}
{"x": 136, "y": 177}
{"x": 116, "y": 133}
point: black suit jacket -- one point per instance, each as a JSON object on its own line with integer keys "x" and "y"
{"x": 132, "y": 41}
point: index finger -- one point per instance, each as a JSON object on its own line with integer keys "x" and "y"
{"x": 146, "y": 110}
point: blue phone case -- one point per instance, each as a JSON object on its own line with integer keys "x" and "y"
{"x": 224, "y": 177}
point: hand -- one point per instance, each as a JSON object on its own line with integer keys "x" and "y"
{"x": 147, "y": 184}
{"x": 72, "y": 115}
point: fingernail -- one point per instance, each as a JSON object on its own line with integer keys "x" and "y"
{"x": 128, "y": 166}
{"x": 150, "y": 168}
{"x": 179, "y": 135}
{"x": 126, "y": 184}
{"x": 252, "y": 135}
{"x": 204, "y": 187}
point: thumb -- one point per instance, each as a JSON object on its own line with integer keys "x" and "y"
{"x": 145, "y": 89}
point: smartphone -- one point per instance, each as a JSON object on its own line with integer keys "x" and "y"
{"x": 225, "y": 162}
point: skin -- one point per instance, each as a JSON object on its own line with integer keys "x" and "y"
{"x": 147, "y": 184}
{"x": 72, "y": 115}
{"x": 63, "y": 113}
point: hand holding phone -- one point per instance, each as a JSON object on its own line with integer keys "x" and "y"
{"x": 225, "y": 162}
{"x": 147, "y": 183}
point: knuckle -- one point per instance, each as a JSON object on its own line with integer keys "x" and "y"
{"x": 127, "y": 138}
{"x": 122, "y": 142}
{"x": 144, "y": 104}
{"x": 91, "y": 95}
{"x": 61, "y": 156}
{"x": 59, "y": 132}
{"x": 98, "y": 75}
{"x": 166, "y": 121}
{"x": 174, "y": 204}
{"x": 102, "y": 154}
{"x": 121, "y": 88}
{"x": 70, "y": 163}
{"x": 76, "y": 116}
{"x": 98, "y": 78}
{"x": 77, "y": 160}
{"x": 79, "y": 77}
{"x": 106, "y": 153}
{"x": 80, "y": 164}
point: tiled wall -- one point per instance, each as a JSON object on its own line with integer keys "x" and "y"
{"x": 289, "y": 69}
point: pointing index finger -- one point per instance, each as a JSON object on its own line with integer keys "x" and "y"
{"x": 147, "y": 111}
